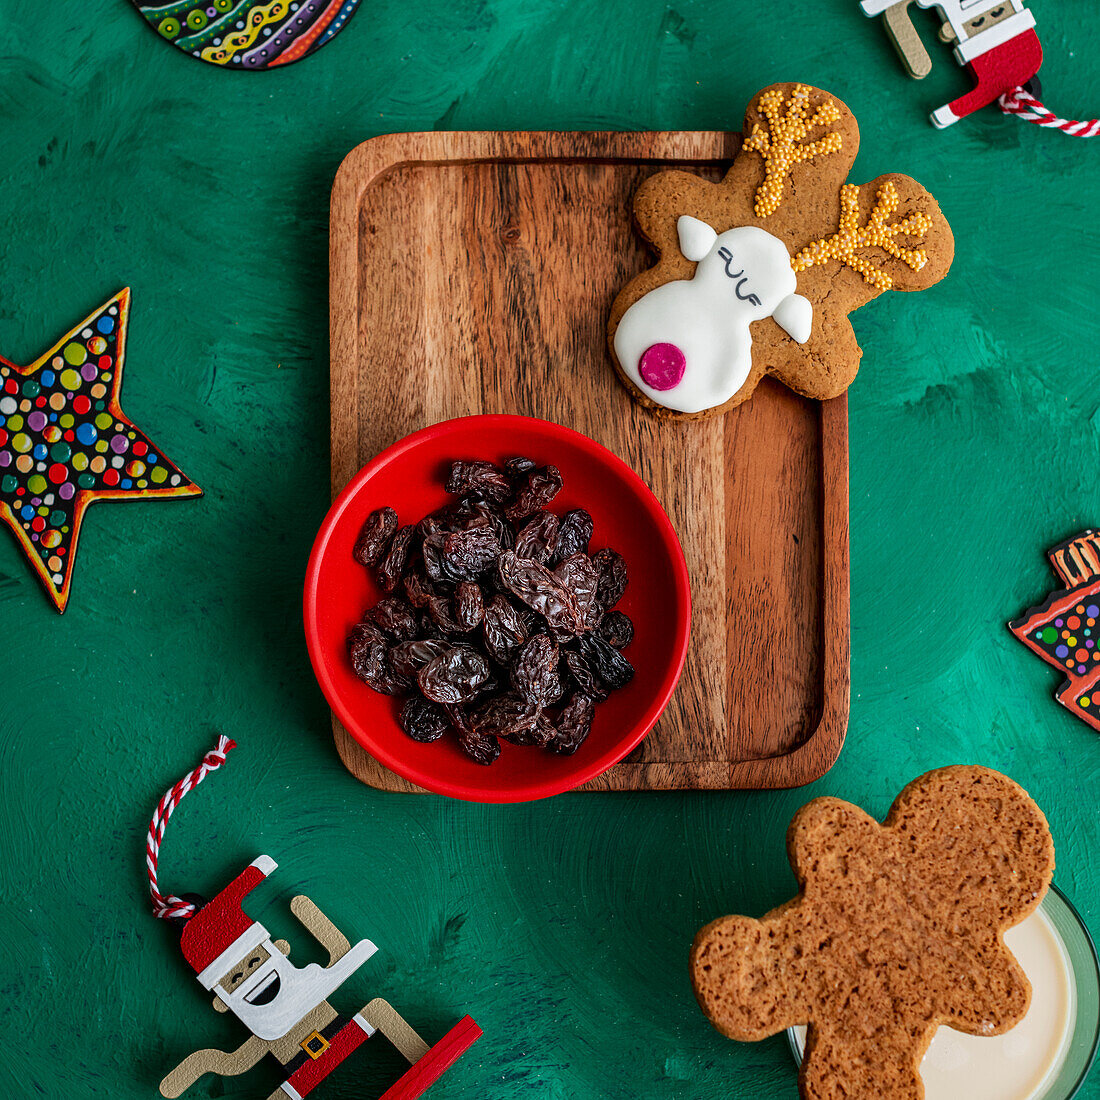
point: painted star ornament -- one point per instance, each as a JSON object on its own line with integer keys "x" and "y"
{"x": 65, "y": 443}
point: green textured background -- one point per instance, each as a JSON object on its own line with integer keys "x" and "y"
{"x": 562, "y": 926}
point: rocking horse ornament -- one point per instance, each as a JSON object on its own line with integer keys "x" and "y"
{"x": 285, "y": 1008}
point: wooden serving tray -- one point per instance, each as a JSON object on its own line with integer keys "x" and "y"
{"x": 473, "y": 272}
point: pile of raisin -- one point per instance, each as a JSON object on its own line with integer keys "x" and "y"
{"x": 498, "y": 622}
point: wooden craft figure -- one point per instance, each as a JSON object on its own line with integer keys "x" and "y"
{"x": 285, "y": 1007}
{"x": 994, "y": 39}
{"x": 1065, "y": 629}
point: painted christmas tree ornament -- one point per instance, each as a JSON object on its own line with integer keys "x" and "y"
{"x": 248, "y": 34}
{"x": 65, "y": 443}
{"x": 284, "y": 1006}
{"x": 1065, "y": 629}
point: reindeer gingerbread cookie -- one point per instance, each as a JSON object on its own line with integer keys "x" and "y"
{"x": 897, "y": 928}
{"x": 757, "y": 273}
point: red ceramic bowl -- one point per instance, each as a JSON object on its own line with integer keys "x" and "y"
{"x": 409, "y": 477}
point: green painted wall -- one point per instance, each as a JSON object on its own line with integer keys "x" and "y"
{"x": 562, "y": 926}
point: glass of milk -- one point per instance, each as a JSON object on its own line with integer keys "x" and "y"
{"x": 1048, "y": 1054}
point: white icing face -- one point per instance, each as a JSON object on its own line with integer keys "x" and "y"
{"x": 686, "y": 345}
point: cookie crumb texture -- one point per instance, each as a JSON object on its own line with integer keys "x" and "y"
{"x": 897, "y": 929}
{"x": 848, "y": 243}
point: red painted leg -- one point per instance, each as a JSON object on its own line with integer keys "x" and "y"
{"x": 424, "y": 1073}
{"x": 1000, "y": 70}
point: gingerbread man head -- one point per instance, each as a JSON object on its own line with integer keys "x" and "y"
{"x": 840, "y": 244}
{"x": 897, "y": 929}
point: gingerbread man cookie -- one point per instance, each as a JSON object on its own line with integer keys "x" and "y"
{"x": 897, "y": 928}
{"x": 758, "y": 273}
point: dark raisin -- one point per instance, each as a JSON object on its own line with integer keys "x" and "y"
{"x": 454, "y": 676}
{"x": 479, "y": 747}
{"x": 393, "y": 564}
{"x": 534, "y": 673}
{"x": 408, "y": 658}
{"x": 533, "y": 584}
{"x": 442, "y": 612}
{"x": 434, "y": 568}
{"x": 362, "y": 633}
{"x": 394, "y": 617}
{"x": 613, "y": 578}
{"x": 538, "y": 487}
{"x": 423, "y": 720}
{"x": 459, "y": 717}
{"x": 616, "y": 629}
{"x": 582, "y": 675}
{"x": 502, "y": 629}
{"x": 515, "y": 468}
{"x": 469, "y": 553}
{"x": 478, "y": 477}
{"x": 469, "y": 605}
{"x": 506, "y": 715}
{"x": 494, "y": 516}
{"x": 539, "y": 537}
{"x": 418, "y": 589}
{"x": 574, "y": 534}
{"x": 369, "y": 659}
{"x": 542, "y": 733}
{"x": 573, "y": 725}
{"x": 374, "y": 536}
{"x": 581, "y": 580}
{"x": 613, "y": 669}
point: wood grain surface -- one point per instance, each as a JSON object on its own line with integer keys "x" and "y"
{"x": 473, "y": 272}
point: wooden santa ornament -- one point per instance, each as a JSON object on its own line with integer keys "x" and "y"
{"x": 285, "y": 1007}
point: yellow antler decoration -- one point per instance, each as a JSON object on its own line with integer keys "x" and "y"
{"x": 780, "y": 146}
{"x": 844, "y": 245}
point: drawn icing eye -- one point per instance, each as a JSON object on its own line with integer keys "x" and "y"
{"x": 997, "y": 13}
{"x": 976, "y": 23}
{"x": 236, "y": 977}
{"x": 254, "y": 961}
{"x": 727, "y": 255}
{"x": 752, "y": 299}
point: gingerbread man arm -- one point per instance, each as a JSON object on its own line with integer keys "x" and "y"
{"x": 740, "y": 971}
{"x": 222, "y": 1062}
{"x": 320, "y": 928}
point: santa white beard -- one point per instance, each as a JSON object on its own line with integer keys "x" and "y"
{"x": 278, "y": 995}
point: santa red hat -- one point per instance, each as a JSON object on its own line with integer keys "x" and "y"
{"x": 220, "y": 934}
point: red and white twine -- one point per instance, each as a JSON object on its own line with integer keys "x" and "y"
{"x": 168, "y": 905}
{"x": 1024, "y": 105}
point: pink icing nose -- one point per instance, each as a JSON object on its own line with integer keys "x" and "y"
{"x": 662, "y": 366}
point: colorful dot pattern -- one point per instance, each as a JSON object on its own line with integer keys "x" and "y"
{"x": 1070, "y": 640}
{"x": 64, "y": 442}
{"x": 1065, "y": 632}
{"x": 248, "y": 34}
